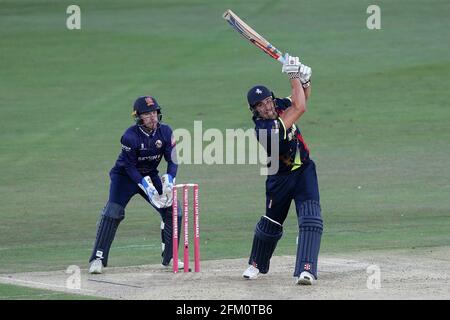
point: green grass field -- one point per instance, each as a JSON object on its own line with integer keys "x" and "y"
{"x": 377, "y": 125}
{"x": 11, "y": 292}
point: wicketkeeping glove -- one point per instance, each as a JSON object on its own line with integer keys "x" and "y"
{"x": 157, "y": 200}
{"x": 167, "y": 185}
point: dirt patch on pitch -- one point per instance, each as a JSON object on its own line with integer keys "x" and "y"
{"x": 404, "y": 274}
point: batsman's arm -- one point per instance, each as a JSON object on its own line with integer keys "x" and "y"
{"x": 298, "y": 107}
{"x": 307, "y": 92}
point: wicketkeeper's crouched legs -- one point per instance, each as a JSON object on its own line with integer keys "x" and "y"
{"x": 166, "y": 233}
{"x": 310, "y": 229}
{"x": 110, "y": 219}
{"x": 267, "y": 234}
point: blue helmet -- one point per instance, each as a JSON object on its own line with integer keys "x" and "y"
{"x": 145, "y": 104}
{"x": 257, "y": 94}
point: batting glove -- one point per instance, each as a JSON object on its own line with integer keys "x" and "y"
{"x": 291, "y": 66}
{"x": 305, "y": 75}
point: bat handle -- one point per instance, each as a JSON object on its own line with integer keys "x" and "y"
{"x": 281, "y": 59}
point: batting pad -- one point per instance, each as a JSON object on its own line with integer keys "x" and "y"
{"x": 310, "y": 229}
{"x": 267, "y": 234}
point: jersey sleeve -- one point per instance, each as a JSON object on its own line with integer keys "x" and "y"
{"x": 170, "y": 153}
{"x": 283, "y": 103}
{"x": 129, "y": 152}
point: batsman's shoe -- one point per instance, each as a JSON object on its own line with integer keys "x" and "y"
{"x": 96, "y": 267}
{"x": 251, "y": 273}
{"x": 305, "y": 278}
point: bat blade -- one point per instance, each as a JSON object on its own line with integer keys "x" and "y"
{"x": 251, "y": 35}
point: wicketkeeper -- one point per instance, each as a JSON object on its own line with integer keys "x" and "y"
{"x": 135, "y": 172}
{"x": 295, "y": 179}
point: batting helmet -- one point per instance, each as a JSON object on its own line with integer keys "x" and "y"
{"x": 145, "y": 104}
{"x": 257, "y": 94}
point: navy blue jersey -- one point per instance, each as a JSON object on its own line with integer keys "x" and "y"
{"x": 293, "y": 150}
{"x": 142, "y": 152}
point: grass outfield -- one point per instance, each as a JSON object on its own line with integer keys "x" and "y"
{"x": 377, "y": 125}
{"x": 11, "y": 292}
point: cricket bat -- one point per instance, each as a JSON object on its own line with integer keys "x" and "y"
{"x": 251, "y": 35}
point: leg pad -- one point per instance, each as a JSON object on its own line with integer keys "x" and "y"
{"x": 110, "y": 219}
{"x": 267, "y": 234}
{"x": 310, "y": 229}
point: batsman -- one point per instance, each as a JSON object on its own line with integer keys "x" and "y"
{"x": 135, "y": 172}
{"x": 295, "y": 179}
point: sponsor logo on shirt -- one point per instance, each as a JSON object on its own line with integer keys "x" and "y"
{"x": 125, "y": 148}
{"x": 149, "y": 158}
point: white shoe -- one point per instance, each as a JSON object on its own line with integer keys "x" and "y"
{"x": 251, "y": 273}
{"x": 305, "y": 278}
{"x": 96, "y": 267}
{"x": 180, "y": 265}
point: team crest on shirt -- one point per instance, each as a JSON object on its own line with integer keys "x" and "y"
{"x": 158, "y": 143}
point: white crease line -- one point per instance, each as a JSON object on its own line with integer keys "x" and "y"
{"x": 134, "y": 246}
{"x": 10, "y": 280}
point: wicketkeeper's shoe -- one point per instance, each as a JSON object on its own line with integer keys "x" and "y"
{"x": 305, "y": 279}
{"x": 96, "y": 267}
{"x": 251, "y": 273}
{"x": 167, "y": 266}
